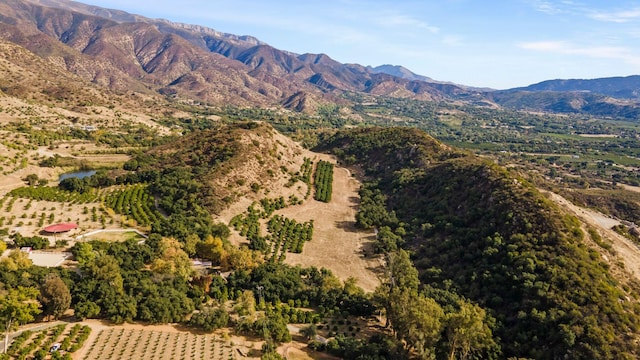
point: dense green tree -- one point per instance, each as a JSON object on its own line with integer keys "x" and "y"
{"x": 172, "y": 260}
{"x": 387, "y": 240}
{"x": 32, "y": 179}
{"x": 211, "y": 248}
{"x": 74, "y": 184}
{"x": 209, "y": 319}
{"x": 16, "y": 260}
{"x": 467, "y": 331}
{"x": 310, "y": 331}
{"x": 83, "y": 252}
{"x": 105, "y": 270}
{"x": 17, "y": 306}
{"x": 34, "y": 242}
{"x": 86, "y": 310}
{"x": 417, "y": 321}
{"x": 54, "y": 296}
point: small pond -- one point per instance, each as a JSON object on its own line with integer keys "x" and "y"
{"x": 77, "y": 174}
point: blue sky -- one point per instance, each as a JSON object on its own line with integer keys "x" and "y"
{"x": 490, "y": 43}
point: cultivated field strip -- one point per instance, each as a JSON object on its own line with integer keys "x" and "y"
{"x": 143, "y": 344}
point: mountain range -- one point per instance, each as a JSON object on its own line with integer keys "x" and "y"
{"x": 125, "y": 52}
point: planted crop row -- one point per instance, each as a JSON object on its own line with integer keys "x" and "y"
{"x": 135, "y": 202}
{"x": 305, "y": 171}
{"x": 144, "y": 344}
{"x": 247, "y": 225}
{"x": 287, "y": 235}
{"x": 26, "y": 345}
{"x": 49, "y": 193}
{"x": 271, "y": 205}
{"x": 323, "y": 181}
{"x": 293, "y": 315}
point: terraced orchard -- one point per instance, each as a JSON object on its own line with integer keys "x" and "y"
{"x": 143, "y": 344}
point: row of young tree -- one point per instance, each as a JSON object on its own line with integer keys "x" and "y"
{"x": 287, "y": 235}
{"x": 134, "y": 201}
{"x": 323, "y": 181}
{"x": 54, "y": 194}
{"x": 305, "y": 173}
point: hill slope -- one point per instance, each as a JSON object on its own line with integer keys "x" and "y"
{"x": 478, "y": 231}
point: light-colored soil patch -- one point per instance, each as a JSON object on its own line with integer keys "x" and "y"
{"x": 337, "y": 245}
{"x": 630, "y": 187}
{"x": 298, "y": 351}
{"x": 626, "y": 250}
{"x": 599, "y": 135}
{"x": 48, "y": 259}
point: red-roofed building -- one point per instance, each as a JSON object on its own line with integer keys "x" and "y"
{"x": 60, "y": 228}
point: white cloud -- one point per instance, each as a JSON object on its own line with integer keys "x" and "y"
{"x": 543, "y": 45}
{"x": 546, "y": 7}
{"x": 453, "y": 40}
{"x": 575, "y": 8}
{"x": 400, "y": 20}
{"x": 621, "y": 16}
{"x": 568, "y": 48}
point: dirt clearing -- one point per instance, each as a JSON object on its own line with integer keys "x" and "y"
{"x": 336, "y": 245}
{"x": 626, "y": 250}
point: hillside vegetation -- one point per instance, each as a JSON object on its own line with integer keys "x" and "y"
{"x": 477, "y": 231}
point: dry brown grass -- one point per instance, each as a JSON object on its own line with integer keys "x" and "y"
{"x": 336, "y": 245}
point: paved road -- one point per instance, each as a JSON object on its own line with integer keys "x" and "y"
{"x": 27, "y": 327}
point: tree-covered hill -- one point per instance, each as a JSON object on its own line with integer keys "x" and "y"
{"x": 477, "y": 230}
{"x": 217, "y": 165}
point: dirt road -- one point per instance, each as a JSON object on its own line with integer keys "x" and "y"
{"x": 626, "y": 250}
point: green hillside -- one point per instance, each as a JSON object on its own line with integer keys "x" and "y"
{"x": 482, "y": 233}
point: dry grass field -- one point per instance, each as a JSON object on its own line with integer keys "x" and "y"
{"x": 337, "y": 244}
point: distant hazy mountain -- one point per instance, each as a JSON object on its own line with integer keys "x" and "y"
{"x": 399, "y": 71}
{"x": 619, "y": 87}
{"x": 404, "y": 73}
{"x": 604, "y": 97}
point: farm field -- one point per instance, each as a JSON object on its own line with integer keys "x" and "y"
{"x": 95, "y": 340}
{"x": 64, "y": 339}
{"x": 125, "y": 343}
{"x": 337, "y": 244}
{"x": 29, "y": 217}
